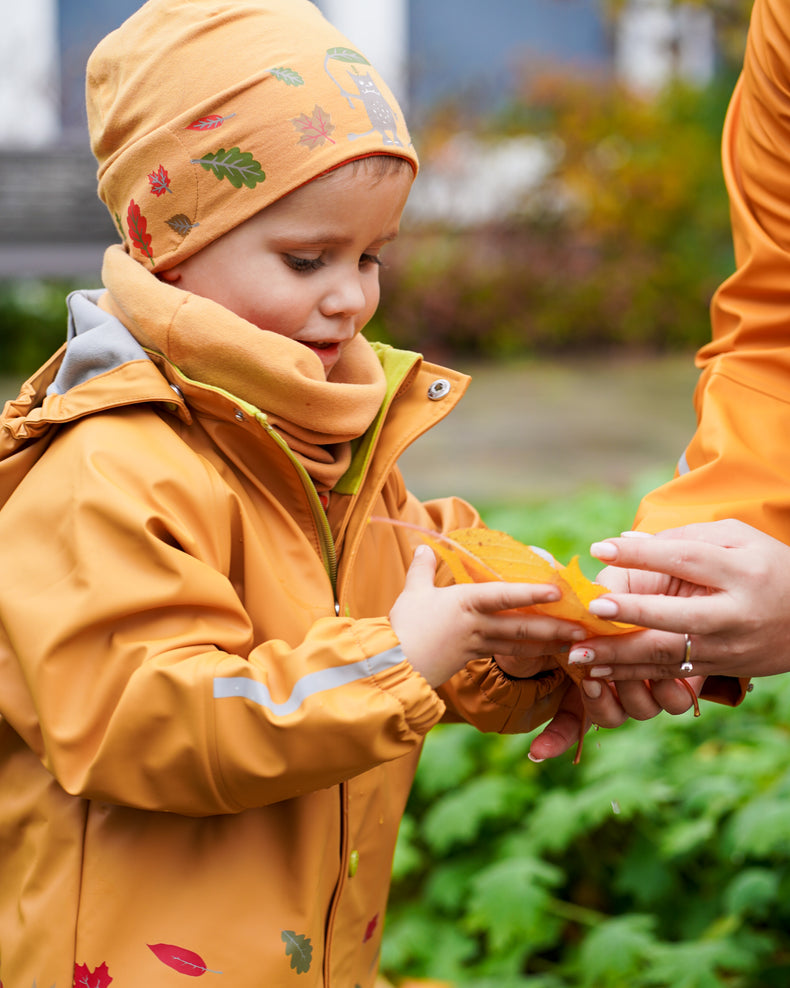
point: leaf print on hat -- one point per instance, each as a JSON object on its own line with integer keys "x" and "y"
{"x": 299, "y": 948}
{"x": 315, "y": 129}
{"x": 160, "y": 181}
{"x": 180, "y": 959}
{"x": 289, "y": 76}
{"x": 237, "y": 166}
{"x": 181, "y": 224}
{"x": 138, "y": 230}
{"x": 209, "y": 122}
{"x": 347, "y": 55}
{"x": 99, "y": 977}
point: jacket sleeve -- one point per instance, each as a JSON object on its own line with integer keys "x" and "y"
{"x": 481, "y": 693}
{"x": 128, "y": 662}
{"x": 737, "y": 465}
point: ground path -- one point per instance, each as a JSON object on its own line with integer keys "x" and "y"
{"x": 538, "y": 429}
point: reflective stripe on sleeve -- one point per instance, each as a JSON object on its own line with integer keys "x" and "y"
{"x": 307, "y": 686}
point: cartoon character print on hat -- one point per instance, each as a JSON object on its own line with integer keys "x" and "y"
{"x": 380, "y": 113}
{"x": 316, "y": 128}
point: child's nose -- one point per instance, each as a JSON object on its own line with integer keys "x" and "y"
{"x": 345, "y": 296}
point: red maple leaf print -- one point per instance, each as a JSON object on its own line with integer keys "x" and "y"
{"x": 138, "y": 228}
{"x": 99, "y": 977}
{"x": 371, "y": 928}
{"x": 315, "y": 129}
{"x": 160, "y": 181}
{"x": 180, "y": 959}
{"x": 210, "y": 122}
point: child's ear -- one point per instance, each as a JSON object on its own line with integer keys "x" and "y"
{"x": 172, "y": 275}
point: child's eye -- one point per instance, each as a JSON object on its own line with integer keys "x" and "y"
{"x": 303, "y": 263}
{"x": 369, "y": 259}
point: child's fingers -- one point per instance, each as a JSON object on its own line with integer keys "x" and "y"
{"x": 527, "y": 627}
{"x": 422, "y": 569}
{"x": 492, "y": 597}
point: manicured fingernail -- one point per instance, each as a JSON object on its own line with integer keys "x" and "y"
{"x": 600, "y": 672}
{"x": 581, "y": 655}
{"x": 636, "y": 535}
{"x": 592, "y": 688}
{"x": 602, "y": 607}
{"x": 537, "y": 761}
{"x": 603, "y": 550}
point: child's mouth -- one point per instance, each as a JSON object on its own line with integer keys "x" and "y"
{"x": 327, "y": 351}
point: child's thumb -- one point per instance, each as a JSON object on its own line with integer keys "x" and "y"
{"x": 422, "y": 569}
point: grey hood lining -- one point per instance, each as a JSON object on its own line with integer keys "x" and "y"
{"x": 97, "y": 343}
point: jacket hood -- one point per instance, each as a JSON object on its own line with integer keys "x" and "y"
{"x": 96, "y": 343}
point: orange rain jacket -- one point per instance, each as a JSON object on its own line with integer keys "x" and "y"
{"x": 738, "y": 462}
{"x": 202, "y": 767}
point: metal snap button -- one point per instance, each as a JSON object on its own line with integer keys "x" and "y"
{"x": 239, "y": 414}
{"x": 439, "y": 389}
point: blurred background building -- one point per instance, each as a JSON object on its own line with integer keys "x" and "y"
{"x": 473, "y": 53}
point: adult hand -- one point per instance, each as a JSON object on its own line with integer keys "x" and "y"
{"x": 608, "y": 704}
{"x": 724, "y": 584}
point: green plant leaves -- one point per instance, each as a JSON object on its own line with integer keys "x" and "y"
{"x": 614, "y": 952}
{"x": 659, "y": 862}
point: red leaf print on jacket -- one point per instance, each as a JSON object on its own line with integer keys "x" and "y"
{"x": 210, "y": 122}
{"x": 160, "y": 181}
{"x": 371, "y": 927}
{"x": 99, "y": 977}
{"x": 138, "y": 228}
{"x": 180, "y": 959}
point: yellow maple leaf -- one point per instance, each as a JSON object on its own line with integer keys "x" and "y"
{"x": 479, "y": 555}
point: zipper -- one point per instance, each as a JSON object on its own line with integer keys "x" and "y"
{"x": 325, "y": 541}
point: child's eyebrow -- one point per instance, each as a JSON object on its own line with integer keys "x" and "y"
{"x": 336, "y": 240}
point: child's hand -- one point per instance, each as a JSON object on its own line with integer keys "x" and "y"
{"x": 443, "y": 628}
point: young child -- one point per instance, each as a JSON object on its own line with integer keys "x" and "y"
{"x": 216, "y": 673}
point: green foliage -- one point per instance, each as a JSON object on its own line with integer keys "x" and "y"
{"x": 660, "y": 861}
{"x": 32, "y": 323}
{"x": 623, "y": 243}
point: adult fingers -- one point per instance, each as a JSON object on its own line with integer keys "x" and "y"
{"x": 602, "y": 703}
{"x": 673, "y": 696}
{"x": 641, "y": 655}
{"x": 696, "y": 561}
{"x": 703, "y": 614}
{"x": 637, "y": 700}
{"x": 563, "y": 731}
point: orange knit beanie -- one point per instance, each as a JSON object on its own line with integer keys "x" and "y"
{"x": 203, "y": 112}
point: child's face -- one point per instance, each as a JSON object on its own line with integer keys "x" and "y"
{"x": 307, "y": 266}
